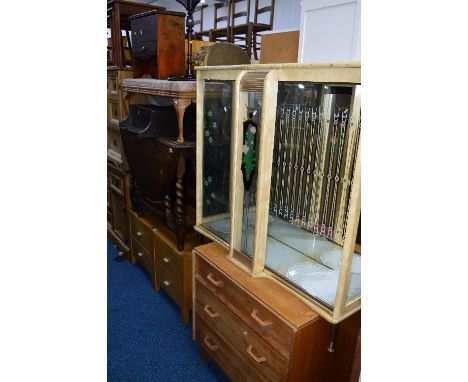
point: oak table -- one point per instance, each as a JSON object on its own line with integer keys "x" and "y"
{"x": 181, "y": 94}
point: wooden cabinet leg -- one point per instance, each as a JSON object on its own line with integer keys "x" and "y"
{"x": 203, "y": 355}
{"x": 185, "y": 315}
{"x": 153, "y": 282}
{"x": 131, "y": 258}
{"x": 180, "y": 106}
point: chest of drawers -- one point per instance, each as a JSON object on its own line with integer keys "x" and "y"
{"x": 255, "y": 330}
{"x": 158, "y": 44}
{"x": 155, "y": 248}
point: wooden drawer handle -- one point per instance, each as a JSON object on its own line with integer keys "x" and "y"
{"x": 213, "y": 281}
{"x": 256, "y": 359}
{"x": 209, "y": 312}
{"x": 139, "y": 233}
{"x": 139, "y": 254}
{"x": 166, "y": 283}
{"x": 259, "y": 320}
{"x": 166, "y": 260}
{"x": 212, "y": 347}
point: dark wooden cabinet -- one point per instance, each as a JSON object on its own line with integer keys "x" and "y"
{"x": 255, "y": 330}
{"x": 158, "y": 44}
{"x": 119, "y": 50}
{"x": 163, "y": 171}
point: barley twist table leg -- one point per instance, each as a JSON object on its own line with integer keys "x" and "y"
{"x": 180, "y": 205}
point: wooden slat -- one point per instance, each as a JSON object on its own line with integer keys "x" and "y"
{"x": 236, "y": 190}
{"x": 264, "y": 9}
{"x": 265, "y": 158}
{"x": 348, "y": 247}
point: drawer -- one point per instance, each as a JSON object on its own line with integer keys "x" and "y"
{"x": 116, "y": 184}
{"x": 142, "y": 256}
{"x": 113, "y": 111}
{"x": 144, "y": 29}
{"x": 113, "y": 86}
{"x": 223, "y": 354}
{"x": 142, "y": 234}
{"x": 145, "y": 50}
{"x": 114, "y": 141}
{"x": 172, "y": 284}
{"x": 114, "y": 160}
{"x": 261, "y": 356}
{"x": 166, "y": 258}
{"x": 265, "y": 322}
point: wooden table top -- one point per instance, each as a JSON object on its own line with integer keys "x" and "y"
{"x": 165, "y": 88}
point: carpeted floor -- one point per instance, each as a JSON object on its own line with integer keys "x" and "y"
{"x": 146, "y": 340}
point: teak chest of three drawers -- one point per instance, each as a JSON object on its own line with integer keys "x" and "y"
{"x": 154, "y": 247}
{"x": 255, "y": 330}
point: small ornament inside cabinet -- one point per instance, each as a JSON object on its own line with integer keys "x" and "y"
{"x": 279, "y": 179}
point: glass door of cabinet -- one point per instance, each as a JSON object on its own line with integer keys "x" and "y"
{"x": 314, "y": 154}
{"x": 247, "y": 171}
{"x": 216, "y": 160}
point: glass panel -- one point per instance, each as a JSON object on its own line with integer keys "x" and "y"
{"x": 250, "y": 151}
{"x": 313, "y": 164}
{"x": 217, "y": 109}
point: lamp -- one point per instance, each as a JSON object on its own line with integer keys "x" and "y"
{"x": 190, "y": 5}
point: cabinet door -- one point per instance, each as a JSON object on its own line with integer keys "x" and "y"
{"x": 330, "y": 31}
{"x": 216, "y": 159}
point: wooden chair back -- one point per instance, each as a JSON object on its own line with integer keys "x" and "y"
{"x": 219, "y": 19}
{"x": 245, "y": 13}
{"x": 199, "y": 21}
{"x": 269, "y": 8}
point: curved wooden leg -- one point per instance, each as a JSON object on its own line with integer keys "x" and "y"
{"x": 180, "y": 106}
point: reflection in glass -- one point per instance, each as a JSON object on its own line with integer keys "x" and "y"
{"x": 217, "y": 108}
{"x": 312, "y": 171}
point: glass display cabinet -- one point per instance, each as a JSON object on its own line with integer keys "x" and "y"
{"x": 278, "y": 176}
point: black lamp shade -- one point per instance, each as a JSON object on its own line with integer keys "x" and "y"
{"x": 189, "y": 4}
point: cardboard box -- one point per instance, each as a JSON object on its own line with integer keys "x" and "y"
{"x": 279, "y": 48}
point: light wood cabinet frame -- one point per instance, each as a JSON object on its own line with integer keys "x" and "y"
{"x": 329, "y": 73}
